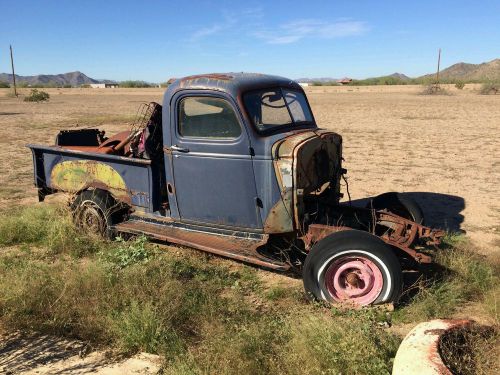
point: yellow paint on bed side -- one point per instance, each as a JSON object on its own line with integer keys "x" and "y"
{"x": 74, "y": 176}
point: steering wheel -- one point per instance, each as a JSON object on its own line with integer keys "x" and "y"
{"x": 271, "y": 96}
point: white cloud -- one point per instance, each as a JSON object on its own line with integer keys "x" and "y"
{"x": 206, "y": 31}
{"x": 229, "y": 21}
{"x": 309, "y": 28}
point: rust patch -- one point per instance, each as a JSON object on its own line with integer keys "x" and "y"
{"x": 217, "y": 76}
{"x": 241, "y": 249}
{"x": 316, "y": 232}
{"x": 403, "y": 233}
{"x": 78, "y": 175}
{"x": 279, "y": 219}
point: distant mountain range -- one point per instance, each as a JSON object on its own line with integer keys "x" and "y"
{"x": 322, "y": 79}
{"x": 461, "y": 71}
{"x": 471, "y": 72}
{"x": 72, "y": 78}
{"x": 330, "y": 79}
{"x": 400, "y": 76}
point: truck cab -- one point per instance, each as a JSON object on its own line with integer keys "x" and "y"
{"x": 226, "y": 138}
{"x": 236, "y": 165}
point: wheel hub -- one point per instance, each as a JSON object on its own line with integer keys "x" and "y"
{"x": 354, "y": 279}
{"x": 90, "y": 219}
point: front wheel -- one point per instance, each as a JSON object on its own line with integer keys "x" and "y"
{"x": 352, "y": 267}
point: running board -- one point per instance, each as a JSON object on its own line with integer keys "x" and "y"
{"x": 241, "y": 249}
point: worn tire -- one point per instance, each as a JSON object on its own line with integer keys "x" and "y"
{"x": 399, "y": 204}
{"x": 354, "y": 253}
{"x": 94, "y": 212}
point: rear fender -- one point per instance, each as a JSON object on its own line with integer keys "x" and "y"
{"x": 74, "y": 176}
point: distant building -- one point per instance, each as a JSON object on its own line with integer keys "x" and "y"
{"x": 304, "y": 84}
{"x": 104, "y": 85}
{"x": 345, "y": 81}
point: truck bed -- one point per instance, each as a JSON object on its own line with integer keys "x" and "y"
{"x": 129, "y": 180}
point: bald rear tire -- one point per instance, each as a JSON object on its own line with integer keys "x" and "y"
{"x": 93, "y": 212}
{"x": 354, "y": 268}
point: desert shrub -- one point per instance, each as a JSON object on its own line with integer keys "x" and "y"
{"x": 135, "y": 84}
{"x": 490, "y": 88}
{"x": 460, "y": 85}
{"x": 4, "y": 85}
{"x": 37, "y": 96}
{"x": 434, "y": 89}
{"x": 385, "y": 80}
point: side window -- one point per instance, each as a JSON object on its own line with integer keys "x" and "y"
{"x": 206, "y": 117}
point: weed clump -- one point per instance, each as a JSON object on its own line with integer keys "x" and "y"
{"x": 37, "y": 96}
{"x": 490, "y": 88}
{"x": 126, "y": 253}
{"x": 470, "y": 350}
{"x": 434, "y": 89}
{"x": 46, "y": 226}
{"x": 462, "y": 275}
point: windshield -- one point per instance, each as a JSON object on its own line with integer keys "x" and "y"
{"x": 271, "y": 109}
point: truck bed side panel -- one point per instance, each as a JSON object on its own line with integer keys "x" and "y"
{"x": 128, "y": 180}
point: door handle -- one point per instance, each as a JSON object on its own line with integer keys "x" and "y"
{"x": 179, "y": 149}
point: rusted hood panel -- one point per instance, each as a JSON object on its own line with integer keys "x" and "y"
{"x": 303, "y": 163}
{"x": 286, "y": 147}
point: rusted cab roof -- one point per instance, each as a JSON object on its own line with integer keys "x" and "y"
{"x": 232, "y": 83}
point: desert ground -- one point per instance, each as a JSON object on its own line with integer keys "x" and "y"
{"x": 442, "y": 149}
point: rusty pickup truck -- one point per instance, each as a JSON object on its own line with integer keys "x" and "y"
{"x": 235, "y": 164}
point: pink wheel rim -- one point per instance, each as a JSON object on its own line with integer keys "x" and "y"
{"x": 354, "y": 279}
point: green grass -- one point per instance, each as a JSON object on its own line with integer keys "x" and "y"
{"x": 462, "y": 276}
{"x": 46, "y": 226}
{"x": 202, "y": 316}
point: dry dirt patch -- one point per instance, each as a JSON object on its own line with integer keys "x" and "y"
{"x": 44, "y": 354}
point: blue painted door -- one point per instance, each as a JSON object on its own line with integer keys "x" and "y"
{"x": 212, "y": 165}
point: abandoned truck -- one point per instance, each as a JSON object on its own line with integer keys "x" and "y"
{"x": 235, "y": 164}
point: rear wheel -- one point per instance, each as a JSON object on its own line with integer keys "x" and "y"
{"x": 352, "y": 267}
{"x": 93, "y": 212}
{"x": 399, "y": 204}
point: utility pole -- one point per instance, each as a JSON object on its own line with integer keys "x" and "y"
{"x": 439, "y": 62}
{"x": 13, "y": 73}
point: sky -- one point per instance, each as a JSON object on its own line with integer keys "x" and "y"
{"x": 157, "y": 40}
